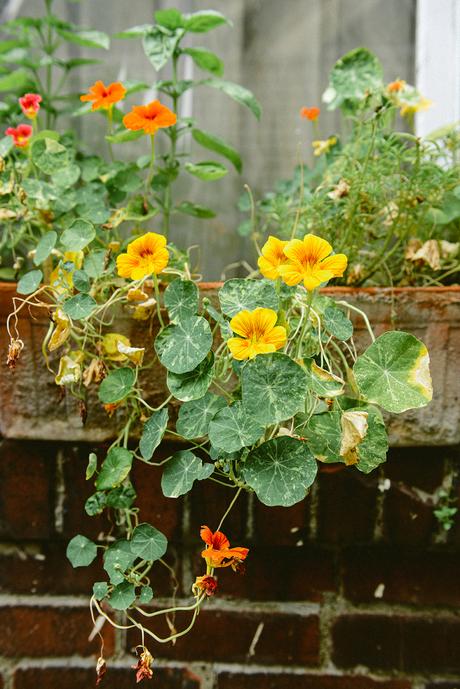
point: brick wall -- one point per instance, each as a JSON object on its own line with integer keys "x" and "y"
{"x": 355, "y": 588}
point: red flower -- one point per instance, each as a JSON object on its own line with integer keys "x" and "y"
{"x": 218, "y": 553}
{"x": 311, "y": 114}
{"x": 30, "y": 104}
{"x": 207, "y": 583}
{"x": 21, "y": 134}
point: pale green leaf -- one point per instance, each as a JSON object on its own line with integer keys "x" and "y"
{"x": 80, "y": 306}
{"x": 153, "y": 432}
{"x": 117, "y": 385}
{"x": 181, "y": 299}
{"x": 207, "y": 170}
{"x": 240, "y": 294}
{"x": 122, "y": 596}
{"x": 337, "y": 323}
{"x": 206, "y": 59}
{"x": 195, "y": 416}
{"x": 273, "y": 388}
{"x": 78, "y": 235}
{"x": 148, "y": 543}
{"x": 394, "y": 372}
{"x": 92, "y": 465}
{"x": 181, "y": 347}
{"x": 196, "y": 211}
{"x": 49, "y": 155}
{"x": 100, "y": 589}
{"x": 117, "y": 559}
{"x": 115, "y": 468}
{"x": 233, "y": 428}
{"x": 181, "y": 472}
{"x": 81, "y": 551}
{"x": 29, "y": 282}
{"x": 238, "y": 93}
{"x": 280, "y": 471}
{"x": 353, "y": 77}
{"x": 192, "y": 385}
{"x": 204, "y": 20}
{"x": 217, "y": 145}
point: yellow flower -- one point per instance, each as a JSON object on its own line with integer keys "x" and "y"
{"x": 309, "y": 261}
{"x": 145, "y": 255}
{"x": 320, "y": 147}
{"x": 272, "y": 258}
{"x": 259, "y": 334}
{"x": 410, "y": 108}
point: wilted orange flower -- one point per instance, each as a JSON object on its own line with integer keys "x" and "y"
{"x": 144, "y": 665}
{"x": 30, "y": 104}
{"x": 311, "y": 114}
{"x": 207, "y": 583}
{"x": 21, "y": 134}
{"x": 145, "y": 256}
{"x": 395, "y": 86}
{"x": 102, "y": 96}
{"x": 272, "y": 257}
{"x": 149, "y": 117}
{"x": 259, "y": 334}
{"x": 309, "y": 261}
{"x": 218, "y": 552}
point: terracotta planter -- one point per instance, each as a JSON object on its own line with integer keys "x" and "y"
{"x": 32, "y": 407}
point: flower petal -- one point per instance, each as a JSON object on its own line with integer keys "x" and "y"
{"x": 239, "y": 348}
{"x": 263, "y": 320}
{"x": 277, "y": 337}
{"x": 316, "y": 248}
{"x": 336, "y": 264}
{"x": 206, "y": 534}
{"x": 242, "y": 323}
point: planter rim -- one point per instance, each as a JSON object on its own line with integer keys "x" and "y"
{"x": 208, "y": 286}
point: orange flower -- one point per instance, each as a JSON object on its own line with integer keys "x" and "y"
{"x": 30, "y": 104}
{"x": 311, "y": 114}
{"x": 207, "y": 583}
{"x": 149, "y": 117}
{"x": 259, "y": 334}
{"x": 396, "y": 86}
{"x": 272, "y": 258}
{"x": 218, "y": 552}
{"x": 145, "y": 256}
{"x": 309, "y": 261}
{"x": 102, "y": 96}
{"x": 21, "y": 134}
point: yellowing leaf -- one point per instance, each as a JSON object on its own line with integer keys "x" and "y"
{"x": 61, "y": 331}
{"x": 134, "y": 354}
{"x": 354, "y": 428}
{"x": 110, "y": 344}
{"x": 69, "y": 371}
{"x": 420, "y": 375}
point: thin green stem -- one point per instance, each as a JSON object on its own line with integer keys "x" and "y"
{"x": 157, "y": 298}
{"x": 229, "y": 508}
{"x": 149, "y": 178}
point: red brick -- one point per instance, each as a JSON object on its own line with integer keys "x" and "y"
{"x": 26, "y": 490}
{"x": 408, "y": 520}
{"x": 281, "y": 526}
{"x": 417, "y": 577}
{"x": 226, "y": 635}
{"x": 66, "y": 677}
{"x": 48, "y": 631}
{"x": 407, "y": 644}
{"x": 276, "y": 574}
{"x": 209, "y": 501}
{"x": 347, "y": 507}
{"x": 229, "y": 680}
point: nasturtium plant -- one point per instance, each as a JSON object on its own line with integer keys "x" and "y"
{"x": 254, "y": 387}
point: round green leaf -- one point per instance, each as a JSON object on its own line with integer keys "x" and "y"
{"x": 117, "y": 559}
{"x": 148, "y": 543}
{"x": 29, "y": 282}
{"x": 100, "y": 589}
{"x": 95, "y": 264}
{"x": 81, "y": 551}
{"x": 122, "y": 497}
{"x": 181, "y": 347}
{"x": 194, "y": 384}
{"x": 280, "y": 471}
{"x": 273, "y": 388}
{"x": 115, "y": 468}
{"x": 116, "y": 385}
{"x": 95, "y": 504}
{"x": 207, "y": 170}
{"x": 146, "y": 595}
{"x": 394, "y": 372}
{"x": 195, "y": 416}
{"x": 181, "y": 472}
{"x": 81, "y": 281}
{"x": 152, "y": 433}
{"x": 242, "y": 294}
{"x": 78, "y": 235}
{"x": 233, "y": 428}
{"x": 49, "y": 155}
{"x": 353, "y": 77}
{"x": 122, "y": 596}
{"x": 67, "y": 177}
{"x": 80, "y": 306}
{"x": 337, "y": 323}
{"x": 45, "y": 247}
{"x": 181, "y": 299}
